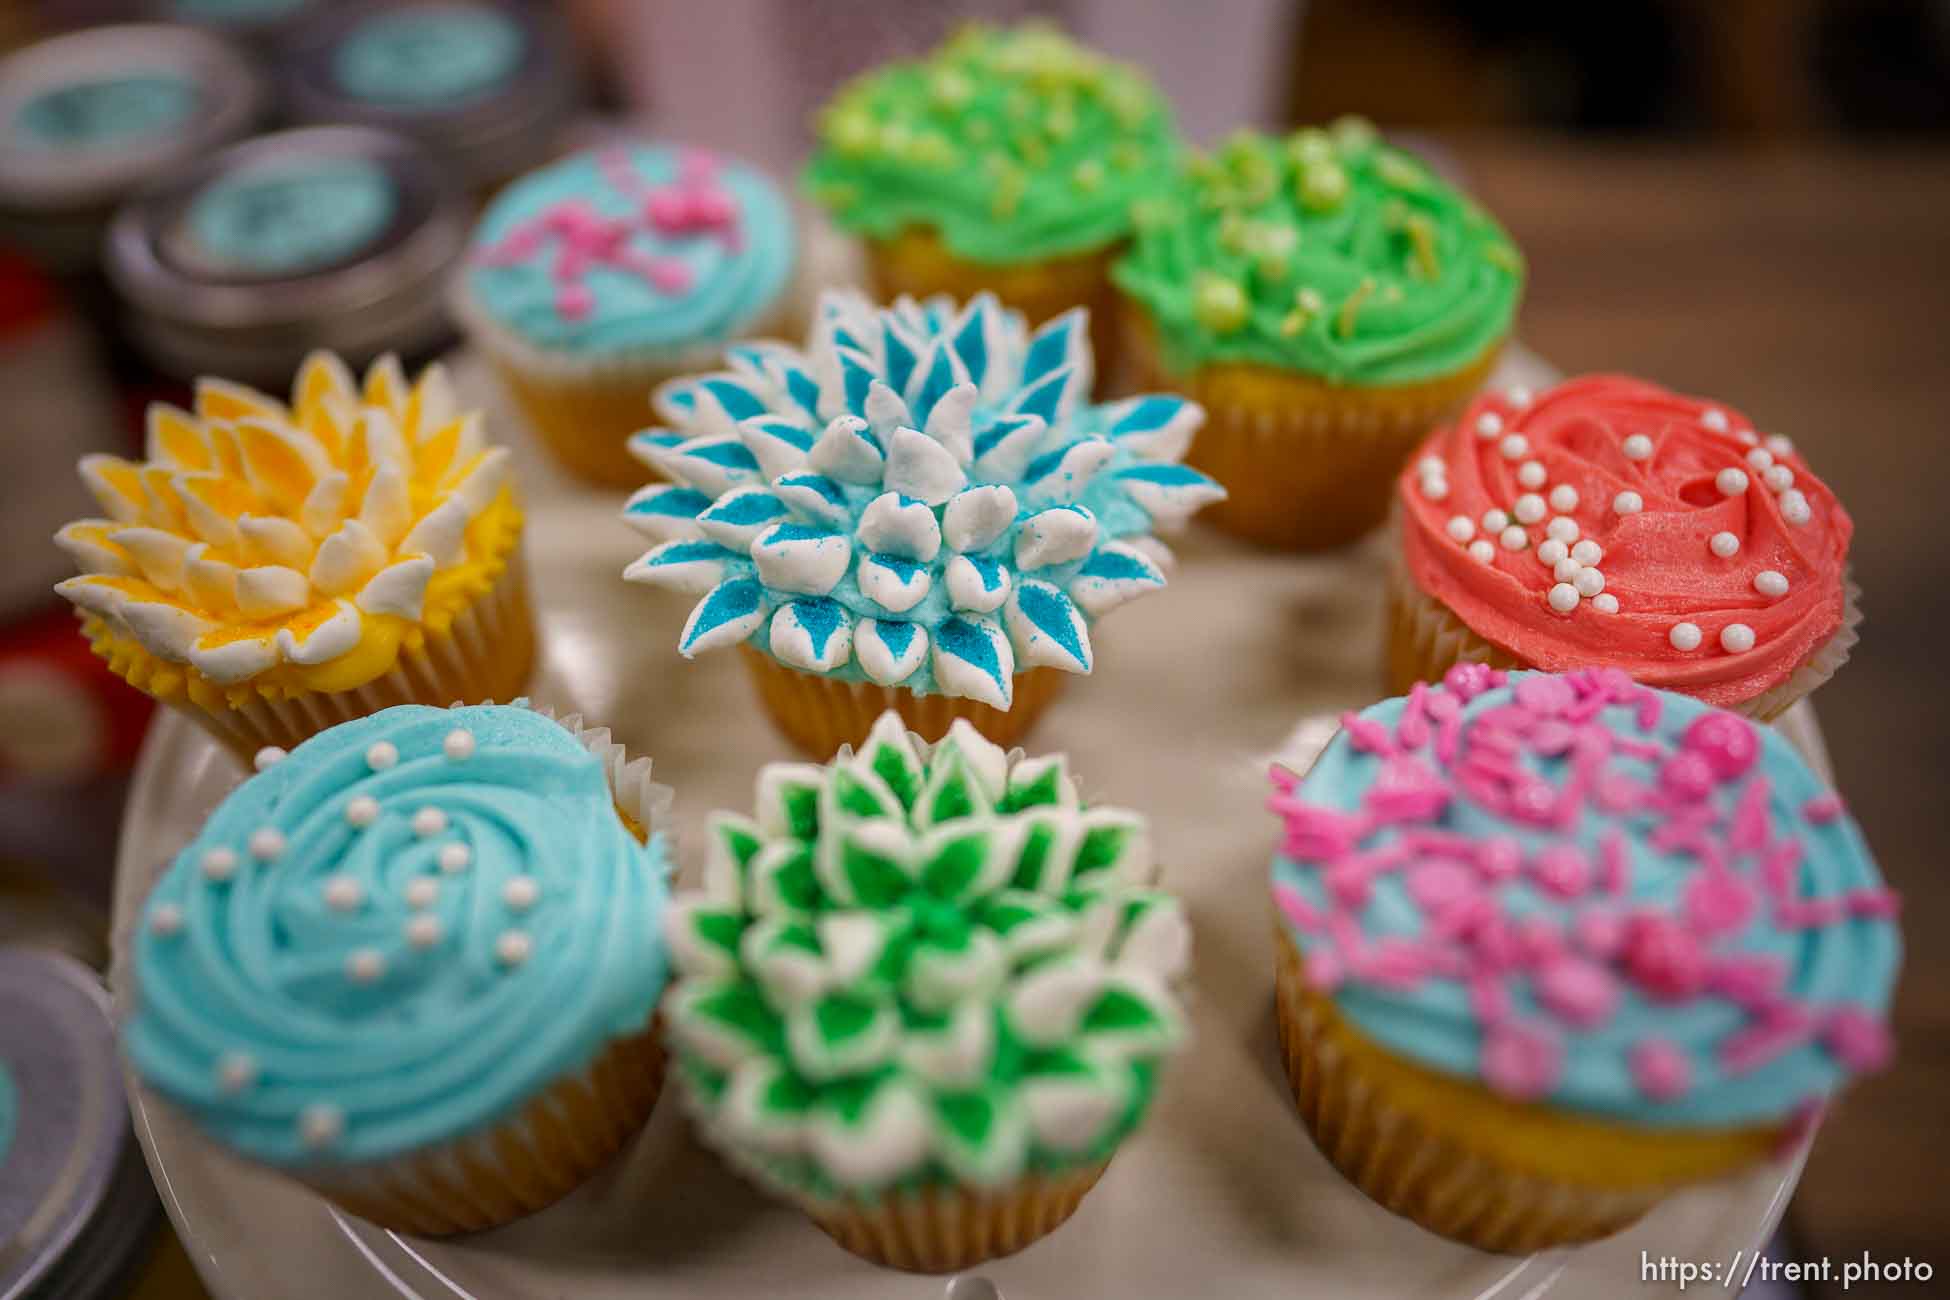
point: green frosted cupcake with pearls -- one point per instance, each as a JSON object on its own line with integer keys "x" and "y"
{"x": 925, "y": 993}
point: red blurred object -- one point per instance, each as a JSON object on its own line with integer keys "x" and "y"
{"x": 64, "y": 716}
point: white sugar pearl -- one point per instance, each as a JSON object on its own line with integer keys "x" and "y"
{"x": 382, "y": 755}
{"x": 1514, "y": 446}
{"x": 267, "y": 757}
{"x": 1605, "y": 603}
{"x": 429, "y": 821}
{"x": 1462, "y": 528}
{"x": 1435, "y": 489}
{"x": 423, "y": 931}
{"x": 1587, "y": 552}
{"x": 513, "y": 947}
{"x": 236, "y": 1071}
{"x": 1684, "y": 636}
{"x": 1760, "y": 458}
{"x": 1724, "y": 545}
{"x": 1638, "y": 447}
{"x": 364, "y": 965}
{"x": 1529, "y": 508}
{"x": 320, "y": 1125}
{"x": 1518, "y": 396}
{"x": 1566, "y": 569}
{"x": 266, "y": 843}
{"x": 1563, "y": 528}
{"x": 455, "y": 858}
{"x": 1736, "y": 638}
{"x": 1431, "y": 466}
{"x": 1589, "y": 582}
{"x": 1482, "y": 551}
{"x": 1564, "y": 498}
{"x": 1749, "y": 437}
{"x": 1780, "y": 444}
{"x": 1714, "y": 418}
{"x": 1628, "y": 503}
{"x": 459, "y": 743}
{"x": 1550, "y": 551}
{"x": 1794, "y": 507}
{"x": 1563, "y": 597}
{"x": 343, "y": 893}
{"x": 1531, "y": 474}
{"x": 1514, "y": 538}
{"x": 1495, "y": 521}
{"x": 520, "y": 892}
{"x": 166, "y": 919}
{"x": 421, "y": 891}
{"x": 1489, "y": 424}
{"x": 1779, "y": 478}
{"x": 1731, "y": 481}
{"x": 1771, "y": 582}
{"x": 219, "y": 864}
{"x": 362, "y": 810}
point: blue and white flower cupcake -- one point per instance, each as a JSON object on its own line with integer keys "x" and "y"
{"x": 414, "y": 964}
{"x": 920, "y": 510}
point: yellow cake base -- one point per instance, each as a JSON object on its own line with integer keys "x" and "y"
{"x": 1466, "y": 1163}
{"x": 943, "y": 1230}
{"x": 586, "y": 421}
{"x": 819, "y": 714}
{"x": 1306, "y": 465}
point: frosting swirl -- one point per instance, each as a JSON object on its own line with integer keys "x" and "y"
{"x": 1328, "y": 253}
{"x": 624, "y": 248}
{"x": 1583, "y": 891}
{"x": 1609, "y": 521}
{"x": 923, "y": 965}
{"x": 1014, "y": 145}
{"x": 397, "y": 935}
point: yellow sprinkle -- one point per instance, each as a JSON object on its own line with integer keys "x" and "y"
{"x": 1351, "y": 307}
{"x": 1421, "y": 233}
{"x": 1087, "y": 175}
{"x": 1503, "y": 257}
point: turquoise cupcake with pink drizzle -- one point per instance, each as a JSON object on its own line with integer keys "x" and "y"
{"x": 1551, "y": 947}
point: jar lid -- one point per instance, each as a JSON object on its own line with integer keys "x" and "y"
{"x": 75, "y": 1198}
{"x": 333, "y": 237}
{"x": 88, "y": 118}
{"x": 488, "y": 85}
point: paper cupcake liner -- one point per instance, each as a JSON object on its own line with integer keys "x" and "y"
{"x": 1426, "y": 639}
{"x": 642, "y": 803}
{"x": 1306, "y": 465}
{"x": 915, "y": 262}
{"x": 945, "y": 1229}
{"x": 819, "y": 714}
{"x": 1456, "y": 1169}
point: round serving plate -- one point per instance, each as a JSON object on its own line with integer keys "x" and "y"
{"x": 1248, "y": 656}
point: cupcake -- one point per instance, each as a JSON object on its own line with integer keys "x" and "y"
{"x": 595, "y": 278}
{"x": 925, "y": 995}
{"x": 1327, "y": 299}
{"x": 274, "y": 570}
{"x": 1609, "y": 523}
{"x": 1551, "y": 947}
{"x": 414, "y": 964}
{"x": 919, "y": 511}
{"x": 1006, "y": 161}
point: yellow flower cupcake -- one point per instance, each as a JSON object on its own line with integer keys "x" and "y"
{"x": 1327, "y": 299}
{"x": 275, "y": 570}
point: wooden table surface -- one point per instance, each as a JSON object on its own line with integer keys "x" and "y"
{"x": 1808, "y": 286}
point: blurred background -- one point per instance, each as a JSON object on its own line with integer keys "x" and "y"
{"x": 1742, "y": 198}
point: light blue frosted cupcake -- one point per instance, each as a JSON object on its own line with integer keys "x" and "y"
{"x": 414, "y": 963}
{"x": 595, "y": 279}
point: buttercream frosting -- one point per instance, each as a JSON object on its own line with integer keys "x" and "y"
{"x": 1610, "y": 522}
{"x": 260, "y": 546}
{"x": 1329, "y": 253}
{"x": 397, "y": 935}
{"x": 1581, "y": 891}
{"x": 922, "y": 497}
{"x": 624, "y": 248}
{"x": 921, "y": 965}
{"x": 1011, "y": 144}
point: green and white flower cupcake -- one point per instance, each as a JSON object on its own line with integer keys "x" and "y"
{"x": 925, "y": 993}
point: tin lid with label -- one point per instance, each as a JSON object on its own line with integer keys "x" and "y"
{"x": 76, "y": 1202}
{"x": 335, "y": 237}
{"x": 488, "y": 85}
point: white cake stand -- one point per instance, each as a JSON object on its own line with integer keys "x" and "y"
{"x": 1222, "y": 1193}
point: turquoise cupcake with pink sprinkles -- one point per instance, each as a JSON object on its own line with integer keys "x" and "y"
{"x": 1553, "y": 946}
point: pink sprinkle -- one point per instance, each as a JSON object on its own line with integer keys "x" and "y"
{"x": 1437, "y": 885}
{"x": 1366, "y": 735}
{"x": 1616, "y": 857}
{"x": 1751, "y": 830}
{"x": 1316, "y": 834}
{"x": 1521, "y": 1061}
{"x": 1393, "y": 963}
{"x": 1471, "y": 680}
{"x": 1562, "y": 871}
{"x": 1544, "y": 695}
{"x": 1323, "y": 970}
{"x": 1551, "y": 738}
{"x": 1533, "y": 801}
{"x": 1649, "y": 709}
{"x": 1618, "y": 794}
{"x": 1729, "y": 744}
{"x": 1753, "y": 980}
{"x": 574, "y": 301}
{"x": 1663, "y": 958}
{"x": 1496, "y": 944}
{"x": 669, "y": 275}
{"x": 1599, "y": 931}
{"x": 1823, "y": 808}
{"x": 1659, "y": 1069}
{"x": 1298, "y": 910}
{"x": 1348, "y": 883}
{"x": 1499, "y": 858}
{"x": 1779, "y": 869}
{"x": 1810, "y": 913}
{"x": 1488, "y": 999}
{"x": 1716, "y": 902}
{"x": 1860, "y": 1041}
{"x": 1875, "y": 904}
{"x": 1686, "y": 776}
{"x": 1580, "y": 991}
{"x": 1405, "y": 791}
{"x": 1283, "y": 779}
{"x": 1778, "y": 1032}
